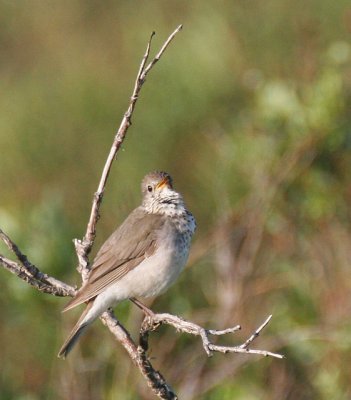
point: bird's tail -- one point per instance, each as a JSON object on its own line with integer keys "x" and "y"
{"x": 76, "y": 332}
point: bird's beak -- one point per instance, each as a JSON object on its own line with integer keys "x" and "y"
{"x": 164, "y": 182}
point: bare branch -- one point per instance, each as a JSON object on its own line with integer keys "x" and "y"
{"x": 153, "y": 321}
{"x": 84, "y": 246}
{"x": 29, "y": 273}
{"x": 256, "y": 333}
{"x": 11, "y": 246}
{"x": 162, "y": 50}
{"x": 224, "y": 331}
{"x": 153, "y": 378}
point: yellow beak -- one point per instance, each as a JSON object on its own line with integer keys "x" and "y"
{"x": 163, "y": 183}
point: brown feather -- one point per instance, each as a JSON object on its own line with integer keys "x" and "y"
{"x": 126, "y": 248}
{"x": 75, "y": 333}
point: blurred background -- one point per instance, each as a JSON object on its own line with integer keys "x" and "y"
{"x": 249, "y": 110}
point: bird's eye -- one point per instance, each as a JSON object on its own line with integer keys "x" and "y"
{"x": 149, "y": 188}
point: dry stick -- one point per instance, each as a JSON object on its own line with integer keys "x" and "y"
{"x": 30, "y": 273}
{"x": 256, "y": 333}
{"x": 48, "y": 284}
{"x": 153, "y": 378}
{"x": 43, "y": 282}
{"x": 153, "y": 321}
{"x": 84, "y": 246}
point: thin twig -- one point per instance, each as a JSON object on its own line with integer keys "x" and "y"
{"x": 154, "y": 378}
{"x": 12, "y": 246}
{"x": 162, "y": 50}
{"x": 153, "y": 321}
{"x": 224, "y": 331}
{"x": 256, "y": 333}
{"x": 29, "y": 273}
{"x": 83, "y": 247}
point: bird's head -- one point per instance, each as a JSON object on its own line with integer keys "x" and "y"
{"x": 158, "y": 192}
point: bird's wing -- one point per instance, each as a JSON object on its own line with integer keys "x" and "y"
{"x": 127, "y": 247}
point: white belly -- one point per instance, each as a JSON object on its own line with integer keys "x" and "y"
{"x": 152, "y": 276}
{"x": 155, "y": 274}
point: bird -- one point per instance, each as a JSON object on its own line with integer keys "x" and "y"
{"x": 142, "y": 258}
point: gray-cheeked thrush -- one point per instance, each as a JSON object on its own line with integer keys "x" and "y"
{"x": 142, "y": 258}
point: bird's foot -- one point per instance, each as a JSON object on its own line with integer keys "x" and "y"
{"x": 147, "y": 311}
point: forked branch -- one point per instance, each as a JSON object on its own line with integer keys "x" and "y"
{"x": 28, "y": 272}
{"x": 153, "y": 321}
{"x": 84, "y": 246}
